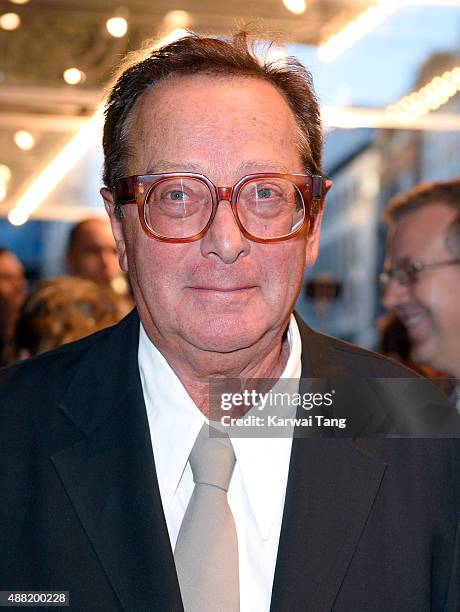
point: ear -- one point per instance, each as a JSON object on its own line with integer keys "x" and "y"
{"x": 117, "y": 228}
{"x": 314, "y": 234}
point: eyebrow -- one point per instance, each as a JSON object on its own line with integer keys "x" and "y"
{"x": 248, "y": 167}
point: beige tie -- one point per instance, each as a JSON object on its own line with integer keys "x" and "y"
{"x": 206, "y": 553}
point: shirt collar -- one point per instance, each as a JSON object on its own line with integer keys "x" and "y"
{"x": 175, "y": 421}
{"x": 264, "y": 461}
{"x": 173, "y": 417}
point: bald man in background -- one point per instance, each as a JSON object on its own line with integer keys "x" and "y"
{"x": 13, "y": 285}
{"x": 13, "y": 290}
{"x": 91, "y": 251}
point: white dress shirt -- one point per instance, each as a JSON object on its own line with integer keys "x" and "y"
{"x": 258, "y": 485}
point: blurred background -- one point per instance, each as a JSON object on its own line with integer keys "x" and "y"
{"x": 387, "y": 74}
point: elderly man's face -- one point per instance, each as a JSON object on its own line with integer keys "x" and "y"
{"x": 430, "y": 307}
{"x": 223, "y": 292}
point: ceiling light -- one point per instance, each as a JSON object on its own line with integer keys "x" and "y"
{"x": 429, "y": 98}
{"x": 357, "y": 29}
{"x": 295, "y": 6}
{"x": 5, "y": 173}
{"x": 24, "y": 140}
{"x": 19, "y": 1}
{"x": 64, "y": 161}
{"x": 73, "y": 76}
{"x": 176, "y": 19}
{"x": 117, "y": 26}
{"x": 10, "y": 21}
{"x": 346, "y": 118}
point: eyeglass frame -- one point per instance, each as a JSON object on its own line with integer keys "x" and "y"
{"x": 416, "y": 268}
{"x": 127, "y": 190}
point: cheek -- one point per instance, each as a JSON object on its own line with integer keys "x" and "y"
{"x": 283, "y": 270}
{"x": 156, "y": 268}
{"x": 448, "y": 302}
{"x": 436, "y": 295}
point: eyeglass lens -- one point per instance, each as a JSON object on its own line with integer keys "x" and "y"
{"x": 402, "y": 276}
{"x": 180, "y": 207}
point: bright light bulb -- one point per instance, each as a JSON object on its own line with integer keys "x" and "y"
{"x": 24, "y": 140}
{"x": 19, "y": 1}
{"x": 73, "y": 76}
{"x": 176, "y": 19}
{"x": 295, "y": 6}
{"x": 10, "y": 21}
{"x": 117, "y": 26}
{"x": 17, "y": 217}
{"x": 5, "y": 173}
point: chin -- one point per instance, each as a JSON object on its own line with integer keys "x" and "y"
{"x": 426, "y": 353}
{"x": 225, "y": 335}
{"x": 420, "y": 354}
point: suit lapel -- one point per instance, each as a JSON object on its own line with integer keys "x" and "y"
{"x": 330, "y": 491}
{"x": 110, "y": 475}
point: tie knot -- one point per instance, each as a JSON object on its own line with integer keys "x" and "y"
{"x": 212, "y": 460}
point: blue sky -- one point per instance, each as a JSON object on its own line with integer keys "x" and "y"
{"x": 383, "y": 66}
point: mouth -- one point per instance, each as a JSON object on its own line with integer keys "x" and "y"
{"x": 234, "y": 296}
{"x": 217, "y": 289}
{"x": 418, "y": 325}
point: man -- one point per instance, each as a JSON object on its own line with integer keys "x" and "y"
{"x": 422, "y": 283}
{"x": 103, "y": 503}
{"x": 422, "y": 280}
{"x": 13, "y": 283}
{"x": 13, "y": 287}
{"x": 91, "y": 251}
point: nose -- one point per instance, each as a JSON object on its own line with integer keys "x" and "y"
{"x": 224, "y": 238}
{"x": 395, "y": 294}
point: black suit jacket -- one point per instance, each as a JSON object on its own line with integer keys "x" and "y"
{"x": 369, "y": 525}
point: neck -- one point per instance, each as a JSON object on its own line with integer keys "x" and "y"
{"x": 195, "y": 367}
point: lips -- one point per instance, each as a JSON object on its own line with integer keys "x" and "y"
{"x": 223, "y": 289}
{"x": 418, "y": 324}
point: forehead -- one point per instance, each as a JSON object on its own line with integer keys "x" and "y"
{"x": 422, "y": 234}
{"x": 9, "y": 261}
{"x": 94, "y": 231}
{"x": 213, "y": 121}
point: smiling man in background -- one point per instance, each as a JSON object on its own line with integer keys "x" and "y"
{"x": 422, "y": 279}
{"x": 113, "y": 488}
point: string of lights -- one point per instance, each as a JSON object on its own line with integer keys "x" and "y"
{"x": 428, "y": 98}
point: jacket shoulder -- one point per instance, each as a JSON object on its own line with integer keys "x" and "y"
{"x": 337, "y": 357}
{"x": 47, "y": 368}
